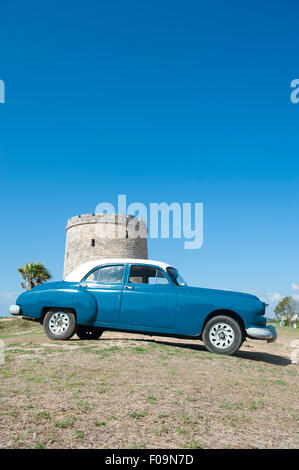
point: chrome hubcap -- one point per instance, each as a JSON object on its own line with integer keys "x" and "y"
{"x": 221, "y": 335}
{"x": 59, "y": 323}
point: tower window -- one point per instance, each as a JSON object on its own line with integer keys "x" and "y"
{"x": 93, "y": 242}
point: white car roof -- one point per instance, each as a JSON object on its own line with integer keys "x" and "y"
{"x": 78, "y": 273}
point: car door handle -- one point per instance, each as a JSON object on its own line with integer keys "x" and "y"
{"x": 129, "y": 287}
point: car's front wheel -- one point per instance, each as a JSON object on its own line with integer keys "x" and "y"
{"x": 60, "y": 324}
{"x": 222, "y": 335}
{"x": 89, "y": 333}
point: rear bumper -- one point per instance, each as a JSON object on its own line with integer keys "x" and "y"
{"x": 14, "y": 310}
{"x": 268, "y": 333}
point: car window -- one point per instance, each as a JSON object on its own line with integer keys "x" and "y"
{"x": 175, "y": 276}
{"x": 107, "y": 275}
{"x": 92, "y": 276}
{"x": 147, "y": 275}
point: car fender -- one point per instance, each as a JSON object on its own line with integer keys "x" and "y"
{"x": 35, "y": 302}
{"x": 85, "y": 306}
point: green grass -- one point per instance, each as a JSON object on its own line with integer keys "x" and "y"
{"x": 228, "y": 395}
{"x": 100, "y": 423}
{"x": 23, "y": 334}
{"x": 39, "y": 445}
{"x": 162, "y": 430}
{"x": 139, "y": 350}
{"x": 232, "y": 406}
{"x": 36, "y": 379}
{"x": 41, "y": 415}
{"x": 163, "y": 415}
{"x": 68, "y": 422}
{"x": 151, "y": 399}
{"x": 185, "y": 418}
{"x": 114, "y": 418}
{"x": 193, "y": 444}
{"x": 286, "y": 330}
{"x": 83, "y": 405}
{"x": 182, "y": 431}
{"x": 280, "y": 382}
{"x": 18, "y": 323}
{"x": 138, "y": 414}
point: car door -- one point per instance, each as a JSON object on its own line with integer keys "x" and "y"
{"x": 149, "y": 299}
{"x": 105, "y": 284}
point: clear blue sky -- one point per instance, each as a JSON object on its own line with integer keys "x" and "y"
{"x": 183, "y": 101}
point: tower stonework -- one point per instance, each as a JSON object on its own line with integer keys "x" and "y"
{"x": 89, "y": 237}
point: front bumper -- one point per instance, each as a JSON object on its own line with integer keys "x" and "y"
{"x": 268, "y": 333}
{"x": 14, "y": 310}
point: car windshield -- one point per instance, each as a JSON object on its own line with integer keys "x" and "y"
{"x": 176, "y": 277}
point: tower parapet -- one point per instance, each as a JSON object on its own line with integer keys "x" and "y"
{"x": 92, "y": 236}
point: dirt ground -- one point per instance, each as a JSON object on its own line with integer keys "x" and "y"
{"x": 134, "y": 391}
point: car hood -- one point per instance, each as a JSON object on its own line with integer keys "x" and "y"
{"x": 45, "y": 286}
{"x": 227, "y": 293}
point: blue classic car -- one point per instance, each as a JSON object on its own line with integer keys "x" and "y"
{"x": 143, "y": 296}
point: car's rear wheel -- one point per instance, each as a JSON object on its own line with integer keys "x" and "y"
{"x": 222, "y": 335}
{"x": 89, "y": 333}
{"x": 60, "y": 324}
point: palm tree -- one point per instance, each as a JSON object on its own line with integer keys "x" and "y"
{"x": 33, "y": 274}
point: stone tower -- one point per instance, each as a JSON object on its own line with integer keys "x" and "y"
{"x": 90, "y": 237}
